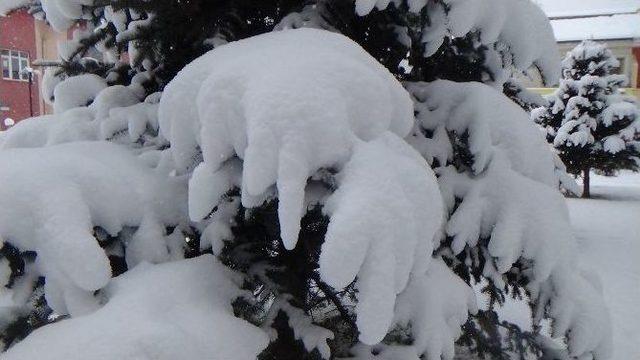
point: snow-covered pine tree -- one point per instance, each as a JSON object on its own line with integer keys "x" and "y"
{"x": 589, "y": 120}
{"x": 296, "y": 159}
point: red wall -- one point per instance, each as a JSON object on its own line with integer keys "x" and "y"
{"x": 17, "y": 32}
{"x": 636, "y": 52}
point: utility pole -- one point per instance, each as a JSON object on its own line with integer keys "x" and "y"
{"x": 29, "y": 72}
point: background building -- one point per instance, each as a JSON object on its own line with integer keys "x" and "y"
{"x": 614, "y": 22}
{"x": 19, "y": 95}
{"x": 24, "y": 39}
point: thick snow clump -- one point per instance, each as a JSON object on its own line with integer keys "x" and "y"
{"x": 51, "y": 199}
{"x": 87, "y": 109}
{"x": 178, "y": 310}
{"x": 289, "y": 104}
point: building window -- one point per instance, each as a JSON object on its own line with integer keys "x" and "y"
{"x": 14, "y": 64}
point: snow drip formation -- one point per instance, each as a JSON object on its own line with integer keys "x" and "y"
{"x": 268, "y": 115}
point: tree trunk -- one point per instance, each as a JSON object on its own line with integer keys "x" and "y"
{"x": 586, "y": 191}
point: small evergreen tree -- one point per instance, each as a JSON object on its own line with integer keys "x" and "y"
{"x": 590, "y": 122}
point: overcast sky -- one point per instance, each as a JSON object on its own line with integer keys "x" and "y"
{"x": 555, "y": 8}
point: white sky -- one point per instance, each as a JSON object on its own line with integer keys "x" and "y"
{"x": 557, "y": 8}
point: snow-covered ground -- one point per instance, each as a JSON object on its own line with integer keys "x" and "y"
{"x": 608, "y": 231}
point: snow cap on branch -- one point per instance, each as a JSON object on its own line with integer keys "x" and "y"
{"x": 51, "y": 199}
{"x": 196, "y": 316}
{"x": 286, "y": 118}
{"x": 288, "y": 111}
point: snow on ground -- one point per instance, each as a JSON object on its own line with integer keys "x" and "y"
{"x": 608, "y": 231}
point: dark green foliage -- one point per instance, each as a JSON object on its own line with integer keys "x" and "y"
{"x": 490, "y": 338}
{"x": 287, "y": 347}
{"x": 35, "y": 315}
{"x": 272, "y": 273}
{"x": 458, "y": 59}
{"x": 180, "y": 31}
{"x": 16, "y": 325}
{"x": 16, "y": 260}
{"x": 526, "y": 99}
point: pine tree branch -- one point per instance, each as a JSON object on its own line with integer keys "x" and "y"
{"x": 331, "y": 295}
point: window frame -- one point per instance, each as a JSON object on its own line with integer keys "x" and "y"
{"x": 7, "y": 56}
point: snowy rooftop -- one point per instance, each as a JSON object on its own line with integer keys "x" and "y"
{"x": 574, "y": 20}
{"x": 608, "y": 27}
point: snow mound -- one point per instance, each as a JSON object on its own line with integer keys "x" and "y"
{"x": 52, "y": 198}
{"x": 73, "y": 125}
{"x": 191, "y": 299}
{"x": 61, "y": 14}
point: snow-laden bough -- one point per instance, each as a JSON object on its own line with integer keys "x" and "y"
{"x": 509, "y": 195}
{"x": 51, "y": 199}
{"x": 287, "y": 111}
{"x": 190, "y": 298}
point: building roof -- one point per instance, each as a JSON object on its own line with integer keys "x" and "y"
{"x": 623, "y": 26}
{"x": 574, "y": 20}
